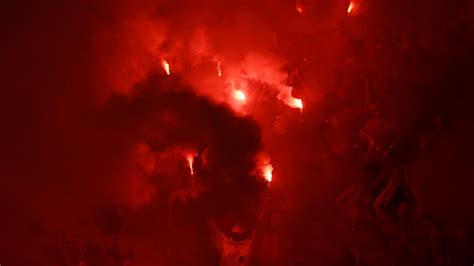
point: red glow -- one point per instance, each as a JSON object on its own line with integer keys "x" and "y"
{"x": 146, "y": 163}
{"x": 299, "y": 7}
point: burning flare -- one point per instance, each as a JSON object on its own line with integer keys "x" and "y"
{"x": 350, "y": 8}
{"x": 298, "y": 103}
{"x": 267, "y": 172}
{"x": 264, "y": 167}
{"x": 166, "y": 66}
{"x": 286, "y": 97}
{"x": 190, "y": 158}
{"x": 219, "y": 70}
{"x": 239, "y": 95}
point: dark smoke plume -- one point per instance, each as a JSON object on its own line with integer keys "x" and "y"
{"x": 128, "y": 154}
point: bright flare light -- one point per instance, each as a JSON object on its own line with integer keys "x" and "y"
{"x": 190, "y": 158}
{"x": 295, "y": 103}
{"x": 219, "y": 70}
{"x": 350, "y": 8}
{"x": 298, "y": 103}
{"x": 267, "y": 172}
{"x": 286, "y": 97}
{"x": 239, "y": 96}
{"x": 166, "y": 67}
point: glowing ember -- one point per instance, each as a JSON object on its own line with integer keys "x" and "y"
{"x": 267, "y": 172}
{"x": 190, "y": 158}
{"x": 350, "y": 8}
{"x": 166, "y": 67}
{"x": 299, "y": 7}
{"x": 219, "y": 70}
{"x": 239, "y": 95}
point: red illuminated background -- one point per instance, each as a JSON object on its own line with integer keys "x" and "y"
{"x": 252, "y": 132}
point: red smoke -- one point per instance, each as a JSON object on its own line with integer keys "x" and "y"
{"x": 146, "y": 119}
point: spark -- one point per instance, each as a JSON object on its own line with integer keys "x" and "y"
{"x": 166, "y": 67}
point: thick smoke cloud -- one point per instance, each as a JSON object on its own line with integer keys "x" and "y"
{"x": 127, "y": 152}
{"x": 80, "y": 134}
